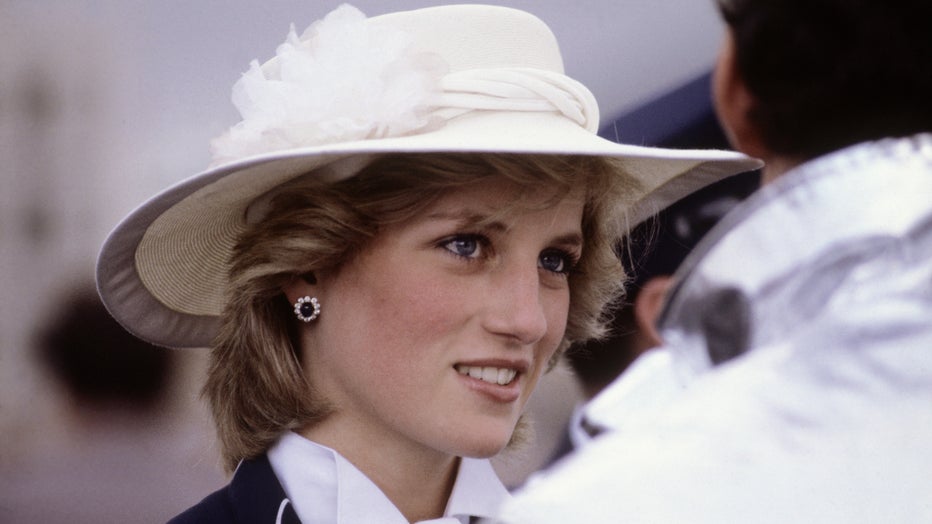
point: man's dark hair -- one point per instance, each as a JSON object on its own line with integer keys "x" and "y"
{"x": 830, "y": 73}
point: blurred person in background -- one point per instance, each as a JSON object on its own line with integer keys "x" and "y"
{"x": 127, "y": 458}
{"x": 800, "y": 329}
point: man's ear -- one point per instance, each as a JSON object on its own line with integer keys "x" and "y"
{"x": 734, "y": 102}
{"x": 647, "y": 306}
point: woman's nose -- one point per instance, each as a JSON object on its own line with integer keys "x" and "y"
{"x": 517, "y": 310}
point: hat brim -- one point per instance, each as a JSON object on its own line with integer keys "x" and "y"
{"x": 162, "y": 271}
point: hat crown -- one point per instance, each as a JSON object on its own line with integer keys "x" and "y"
{"x": 349, "y": 77}
{"x": 479, "y": 36}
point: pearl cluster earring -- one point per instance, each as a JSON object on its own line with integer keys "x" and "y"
{"x": 307, "y": 308}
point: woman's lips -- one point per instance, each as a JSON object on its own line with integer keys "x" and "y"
{"x": 490, "y": 374}
{"x": 498, "y": 381}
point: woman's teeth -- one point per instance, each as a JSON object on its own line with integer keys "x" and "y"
{"x": 500, "y": 376}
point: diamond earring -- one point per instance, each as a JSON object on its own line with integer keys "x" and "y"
{"x": 307, "y": 308}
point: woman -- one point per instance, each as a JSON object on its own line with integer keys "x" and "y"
{"x": 412, "y": 221}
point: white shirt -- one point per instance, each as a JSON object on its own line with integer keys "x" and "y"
{"x": 326, "y": 488}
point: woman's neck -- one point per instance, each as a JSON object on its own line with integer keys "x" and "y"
{"x": 416, "y": 479}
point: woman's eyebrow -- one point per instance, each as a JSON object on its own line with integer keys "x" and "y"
{"x": 570, "y": 240}
{"x": 469, "y": 218}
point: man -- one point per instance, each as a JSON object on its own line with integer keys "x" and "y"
{"x": 799, "y": 336}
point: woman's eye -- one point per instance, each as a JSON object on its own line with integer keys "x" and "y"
{"x": 556, "y": 261}
{"x": 468, "y": 246}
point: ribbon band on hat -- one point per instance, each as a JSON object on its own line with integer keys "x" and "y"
{"x": 517, "y": 89}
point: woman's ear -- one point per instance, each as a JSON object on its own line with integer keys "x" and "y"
{"x": 734, "y": 102}
{"x": 300, "y": 286}
{"x": 301, "y": 292}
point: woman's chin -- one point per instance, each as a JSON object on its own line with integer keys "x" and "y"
{"x": 483, "y": 446}
{"x": 482, "y": 452}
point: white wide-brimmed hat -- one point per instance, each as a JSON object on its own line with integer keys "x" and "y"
{"x": 462, "y": 78}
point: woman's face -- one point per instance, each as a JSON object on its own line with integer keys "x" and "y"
{"x": 437, "y": 333}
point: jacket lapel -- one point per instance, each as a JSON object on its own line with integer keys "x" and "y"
{"x": 257, "y": 495}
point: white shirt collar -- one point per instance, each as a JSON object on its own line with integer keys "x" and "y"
{"x": 326, "y": 488}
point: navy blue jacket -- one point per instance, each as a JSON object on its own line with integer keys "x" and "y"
{"x": 253, "y": 496}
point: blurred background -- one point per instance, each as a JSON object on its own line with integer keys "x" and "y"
{"x": 105, "y": 102}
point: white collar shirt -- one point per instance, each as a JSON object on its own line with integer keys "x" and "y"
{"x": 325, "y": 488}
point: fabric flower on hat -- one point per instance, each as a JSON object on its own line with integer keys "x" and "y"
{"x": 341, "y": 80}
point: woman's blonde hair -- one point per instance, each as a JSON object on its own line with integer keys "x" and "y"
{"x": 256, "y": 387}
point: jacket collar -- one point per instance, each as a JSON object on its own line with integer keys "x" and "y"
{"x": 766, "y": 267}
{"x": 257, "y": 496}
